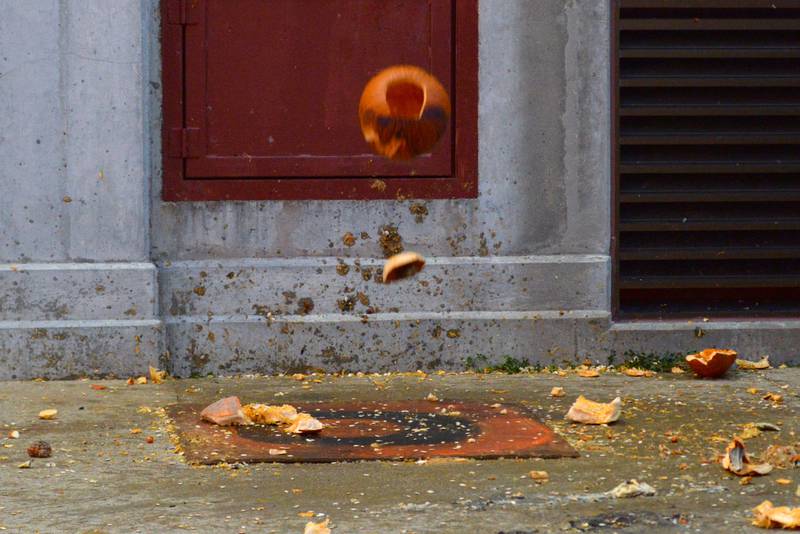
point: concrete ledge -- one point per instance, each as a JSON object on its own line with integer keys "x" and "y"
{"x": 331, "y": 285}
{"x": 70, "y": 349}
{"x": 382, "y": 342}
{"x": 77, "y": 291}
{"x": 780, "y": 339}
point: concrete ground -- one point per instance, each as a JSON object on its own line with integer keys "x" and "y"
{"x": 102, "y": 477}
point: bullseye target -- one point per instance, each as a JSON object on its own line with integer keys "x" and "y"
{"x": 377, "y": 430}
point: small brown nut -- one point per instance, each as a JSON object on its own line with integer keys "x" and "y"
{"x": 40, "y": 449}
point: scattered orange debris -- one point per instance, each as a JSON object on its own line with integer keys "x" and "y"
{"x": 229, "y": 411}
{"x": 763, "y": 363}
{"x": 539, "y": 476}
{"x": 768, "y": 516}
{"x": 639, "y": 372}
{"x": 270, "y": 415}
{"x": 156, "y": 376}
{"x": 317, "y": 528}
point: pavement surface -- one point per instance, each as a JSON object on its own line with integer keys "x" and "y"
{"x": 104, "y": 476}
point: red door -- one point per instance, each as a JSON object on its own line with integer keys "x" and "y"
{"x": 261, "y": 97}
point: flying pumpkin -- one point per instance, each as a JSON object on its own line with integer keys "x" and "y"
{"x": 404, "y": 112}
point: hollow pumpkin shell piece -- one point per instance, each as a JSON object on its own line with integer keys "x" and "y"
{"x": 227, "y": 411}
{"x": 594, "y": 413}
{"x": 737, "y": 462}
{"x": 304, "y": 423}
{"x": 401, "y": 266}
{"x": 403, "y": 111}
{"x": 711, "y": 363}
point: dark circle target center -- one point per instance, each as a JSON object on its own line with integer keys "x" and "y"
{"x": 391, "y": 428}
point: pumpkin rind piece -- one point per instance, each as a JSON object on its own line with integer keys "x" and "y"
{"x": 594, "y": 413}
{"x": 711, "y": 363}
{"x": 737, "y": 462}
{"x": 401, "y": 266}
{"x": 227, "y": 411}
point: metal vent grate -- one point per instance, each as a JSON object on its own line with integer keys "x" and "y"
{"x": 706, "y": 158}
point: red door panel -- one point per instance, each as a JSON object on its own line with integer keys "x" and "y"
{"x": 261, "y": 97}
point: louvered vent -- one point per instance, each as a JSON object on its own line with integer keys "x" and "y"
{"x": 707, "y": 158}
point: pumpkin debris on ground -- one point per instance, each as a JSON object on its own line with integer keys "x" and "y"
{"x": 711, "y": 363}
{"x": 736, "y": 461}
{"x": 48, "y": 414}
{"x": 747, "y": 365}
{"x": 156, "y": 376}
{"x": 539, "y": 476}
{"x": 783, "y": 456}
{"x": 229, "y": 411}
{"x": 270, "y": 415}
{"x": 590, "y": 412}
{"x": 305, "y": 423}
{"x": 769, "y": 516}
{"x": 317, "y": 528}
{"x": 632, "y": 488}
{"x": 226, "y": 411}
{"x": 635, "y": 372}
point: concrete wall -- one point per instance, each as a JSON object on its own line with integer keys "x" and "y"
{"x": 75, "y": 186}
{"x": 536, "y": 239}
{"x": 78, "y": 290}
{"x": 101, "y": 276}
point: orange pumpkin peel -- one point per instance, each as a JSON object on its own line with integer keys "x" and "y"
{"x": 711, "y": 363}
{"x": 737, "y": 462}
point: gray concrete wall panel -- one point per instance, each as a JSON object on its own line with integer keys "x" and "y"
{"x": 71, "y": 131}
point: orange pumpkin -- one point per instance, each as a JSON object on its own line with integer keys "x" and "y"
{"x": 711, "y": 363}
{"x": 404, "y": 112}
